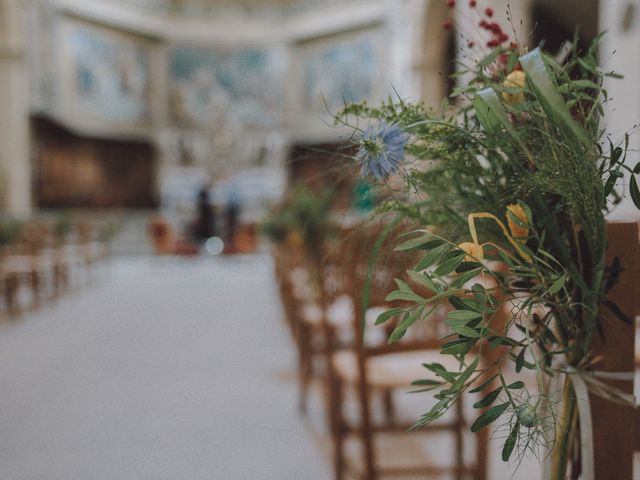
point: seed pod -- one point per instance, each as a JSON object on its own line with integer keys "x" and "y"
{"x": 527, "y": 416}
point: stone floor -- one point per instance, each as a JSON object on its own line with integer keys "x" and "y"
{"x": 162, "y": 369}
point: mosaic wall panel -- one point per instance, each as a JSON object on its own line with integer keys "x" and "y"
{"x": 110, "y": 74}
{"x": 211, "y": 87}
{"x": 339, "y": 69}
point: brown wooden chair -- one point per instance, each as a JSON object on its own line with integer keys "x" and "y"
{"x": 376, "y": 371}
{"x": 303, "y": 313}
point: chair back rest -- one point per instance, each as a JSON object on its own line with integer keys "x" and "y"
{"x": 373, "y": 265}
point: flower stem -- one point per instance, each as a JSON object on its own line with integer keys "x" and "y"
{"x": 566, "y": 431}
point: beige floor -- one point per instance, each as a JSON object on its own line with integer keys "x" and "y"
{"x": 164, "y": 369}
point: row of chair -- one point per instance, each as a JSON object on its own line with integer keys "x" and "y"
{"x": 332, "y": 291}
{"x": 40, "y": 264}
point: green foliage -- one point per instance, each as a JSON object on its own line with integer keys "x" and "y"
{"x": 304, "y": 212}
{"x": 10, "y": 230}
{"x": 539, "y": 177}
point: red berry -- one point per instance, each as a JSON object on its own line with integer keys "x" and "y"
{"x": 451, "y": 3}
{"x": 447, "y": 25}
{"x": 513, "y": 45}
{"x": 472, "y": 3}
{"x": 492, "y": 43}
{"x": 495, "y": 28}
{"x": 471, "y": 44}
{"x": 488, "y": 12}
{"x": 483, "y": 24}
{"x": 503, "y": 37}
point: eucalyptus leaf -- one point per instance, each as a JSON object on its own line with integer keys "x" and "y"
{"x": 510, "y": 443}
{"x": 484, "y": 384}
{"x": 388, "y": 314}
{"x": 413, "y": 243}
{"x": 634, "y": 191}
{"x": 432, "y": 257}
{"x": 449, "y": 265}
{"x": 516, "y": 385}
{"x": 489, "y": 417}
{"x": 465, "y": 315}
{"x": 489, "y": 399}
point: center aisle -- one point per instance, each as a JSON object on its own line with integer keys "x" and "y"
{"x": 162, "y": 369}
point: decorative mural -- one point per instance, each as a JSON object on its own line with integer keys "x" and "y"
{"x": 213, "y": 87}
{"x": 338, "y": 70}
{"x": 110, "y": 74}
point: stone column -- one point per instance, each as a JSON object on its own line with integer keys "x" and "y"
{"x": 15, "y": 164}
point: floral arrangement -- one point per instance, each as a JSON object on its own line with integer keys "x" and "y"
{"x": 301, "y": 218}
{"x": 513, "y": 188}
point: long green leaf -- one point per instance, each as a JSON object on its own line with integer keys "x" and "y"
{"x": 488, "y": 399}
{"x": 464, "y": 376}
{"x": 464, "y": 315}
{"x": 387, "y": 314}
{"x": 408, "y": 320}
{"x": 491, "y": 115}
{"x": 635, "y": 191}
{"x": 510, "y": 443}
{"x": 432, "y": 257}
{"x": 414, "y": 243}
{"x": 489, "y": 416}
{"x": 484, "y": 384}
{"x": 552, "y": 102}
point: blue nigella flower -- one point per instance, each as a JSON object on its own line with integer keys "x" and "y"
{"x": 382, "y": 150}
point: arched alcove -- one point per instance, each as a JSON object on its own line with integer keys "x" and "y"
{"x": 554, "y": 22}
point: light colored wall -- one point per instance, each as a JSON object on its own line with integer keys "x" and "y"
{"x": 15, "y": 166}
{"x": 619, "y": 51}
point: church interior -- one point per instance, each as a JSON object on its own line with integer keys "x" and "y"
{"x": 157, "y": 317}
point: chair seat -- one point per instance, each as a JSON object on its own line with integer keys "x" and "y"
{"x": 339, "y": 313}
{"x": 392, "y": 370}
{"x": 20, "y": 264}
{"x": 414, "y": 454}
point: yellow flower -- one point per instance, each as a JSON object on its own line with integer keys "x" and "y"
{"x": 473, "y": 250}
{"x": 515, "y": 79}
{"x": 518, "y": 231}
{"x": 294, "y": 239}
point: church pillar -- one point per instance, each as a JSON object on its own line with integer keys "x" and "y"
{"x": 15, "y": 165}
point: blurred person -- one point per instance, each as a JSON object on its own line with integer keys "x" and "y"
{"x": 206, "y": 219}
{"x": 232, "y": 213}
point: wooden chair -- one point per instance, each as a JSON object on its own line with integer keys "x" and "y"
{"x": 378, "y": 370}
{"x": 302, "y": 313}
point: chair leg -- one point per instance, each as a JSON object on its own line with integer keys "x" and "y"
{"x": 337, "y": 429}
{"x": 366, "y": 434}
{"x": 481, "y": 464}
{"x": 11, "y": 294}
{"x": 459, "y": 433}
{"x": 389, "y": 407}
{"x": 35, "y": 287}
{"x": 305, "y": 367}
